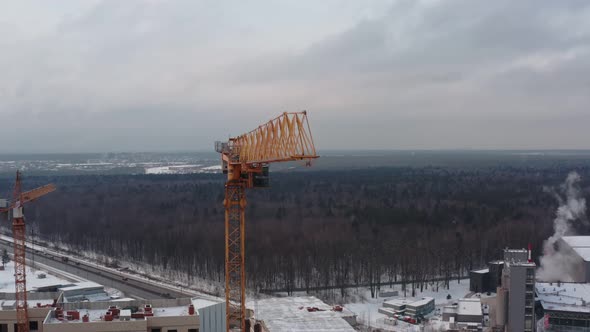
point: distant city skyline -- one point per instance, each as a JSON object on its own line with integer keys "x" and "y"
{"x": 102, "y": 76}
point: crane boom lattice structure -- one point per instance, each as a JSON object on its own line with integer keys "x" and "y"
{"x": 19, "y": 234}
{"x": 245, "y": 160}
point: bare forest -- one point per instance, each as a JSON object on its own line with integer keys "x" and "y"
{"x": 311, "y": 230}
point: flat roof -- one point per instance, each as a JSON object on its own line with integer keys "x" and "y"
{"x": 577, "y": 241}
{"x": 421, "y": 302}
{"x": 291, "y": 314}
{"x": 95, "y": 315}
{"x": 202, "y": 303}
{"x": 97, "y": 297}
{"x": 571, "y": 297}
{"x": 81, "y": 286}
{"x": 10, "y": 304}
{"x": 528, "y": 264}
{"x": 516, "y": 250}
{"x": 469, "y": 307}
{"x": 486, "y": 270}
{"x": 580, "y": 244}
{"x": 399, "y": 301}
{"x": 33, "y": 282}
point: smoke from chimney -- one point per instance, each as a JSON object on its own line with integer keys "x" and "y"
{"x": 558, "y": 264}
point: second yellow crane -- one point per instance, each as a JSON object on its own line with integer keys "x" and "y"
{"x": 19, "y": 235}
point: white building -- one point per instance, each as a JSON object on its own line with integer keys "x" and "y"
{"x": 467, "y": 314}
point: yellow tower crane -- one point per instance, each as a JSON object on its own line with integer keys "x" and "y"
{"x": 246, "y": 160}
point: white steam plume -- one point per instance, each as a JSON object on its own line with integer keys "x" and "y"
{"x": 558, "y": 264}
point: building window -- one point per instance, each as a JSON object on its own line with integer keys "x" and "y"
{"x": 172, "y": 331}
{"x": 156, "y": 330}
{"x": 3, "y": 327}
{"x": 193, "y": 330}
{"x": 33, "y": 325}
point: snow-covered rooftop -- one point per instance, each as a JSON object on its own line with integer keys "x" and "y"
{"x": 470, "y": 307}
{"x": 11, "y": 304}
{"x": 96, "y": 315}
{"x": 96, "y": 297}
{"x": 580, "y": 244}
{"x": 408, "y": 301}
{"x": 202, "y": 303}
{"x": 82, "y": 286}
{"x": 482, "y": 271}
{"x": 573, "y": 297}
{"x": 33, "y": 282}
{"x": 577, "y": 241}
{"x": 421, "y": 302}
{"x": 286, "y": 314}
{"x": 398, "y": 302}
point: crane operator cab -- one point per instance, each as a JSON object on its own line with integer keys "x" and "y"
{"x": 262, "y": 179}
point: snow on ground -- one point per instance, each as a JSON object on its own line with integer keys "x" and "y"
{"x": 173, "y": 169}
{"x": 367, "y": 308}
{"x": 180, "y": 169}
{"x": 212, "y": 168}
{"x": 7, "y": 279}
{"x": 169, "y": 278}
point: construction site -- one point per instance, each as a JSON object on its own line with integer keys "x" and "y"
{"x": 85, "y": 306}
{"x": 46, "y": 289}
{"x": 294, "y": 166}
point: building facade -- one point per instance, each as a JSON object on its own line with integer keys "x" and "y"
{"x": 479, "y": 281}
{"x": 167, "y": 315}
{"x": 515, "y": 301}
{"x": 415, "y": 308}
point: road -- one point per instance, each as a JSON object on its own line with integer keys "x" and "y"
{"x": 132, "y": 287}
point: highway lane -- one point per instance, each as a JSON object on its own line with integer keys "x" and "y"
{"x": 132, "y": 287}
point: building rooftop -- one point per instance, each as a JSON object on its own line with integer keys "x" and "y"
{"x": 580, "y": 244}
{"x": 202, "y": 303}
{"x": 469, "y": 307}
{"x": 399, "y": 301}
{"x": 33, "y": 281}
{"x": 482, "y": 271}
{"x": 81, "y": 286}
{"x": 421, "y": 302}
{"x": 572, "y": 297}
{"x": 97, "y": 315}
{"x": 577, "y": 241}
{"x": 10, "y": 304}
{"x": 292, "y": 314}
{"x": 408, "y": 301}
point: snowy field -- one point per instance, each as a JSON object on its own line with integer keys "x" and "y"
{"x": 182, "y": 169}
{"x": 367, "y": 308}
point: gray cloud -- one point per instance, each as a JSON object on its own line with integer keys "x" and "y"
{"x": 152, "y": 75}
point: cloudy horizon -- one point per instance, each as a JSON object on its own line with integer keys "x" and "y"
{"x": 96, "y": 75}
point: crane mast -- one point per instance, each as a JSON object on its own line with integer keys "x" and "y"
{"x": 19, "y": 235}
{"x": 245, "y": 160}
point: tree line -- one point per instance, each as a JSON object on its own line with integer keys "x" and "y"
{"x": 310, "y": 229}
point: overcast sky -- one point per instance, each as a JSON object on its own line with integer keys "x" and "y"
{"x": 155, "y": 75}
